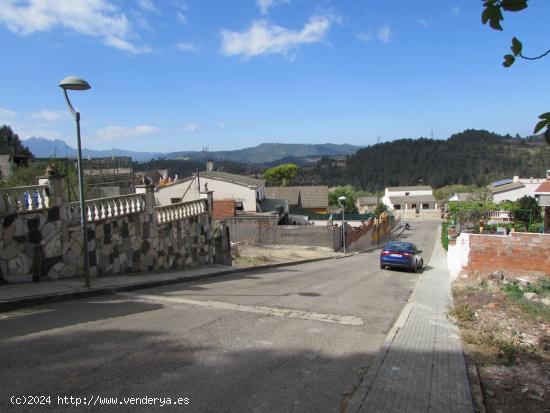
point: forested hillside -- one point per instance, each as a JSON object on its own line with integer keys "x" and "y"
{"x": 472, "y": 157}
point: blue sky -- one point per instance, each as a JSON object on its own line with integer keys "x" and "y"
{"x": 183, "y": 74}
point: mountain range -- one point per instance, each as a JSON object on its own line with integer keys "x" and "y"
{"x": 263, "y": 153}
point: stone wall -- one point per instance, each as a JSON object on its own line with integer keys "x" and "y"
{"x": 47, "y": 243}
{"x": 30, "y": 245}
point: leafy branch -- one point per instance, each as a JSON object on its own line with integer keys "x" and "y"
{"x": 492, "y": 14}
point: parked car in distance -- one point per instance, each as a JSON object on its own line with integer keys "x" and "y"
{"x": 401, "y": 254}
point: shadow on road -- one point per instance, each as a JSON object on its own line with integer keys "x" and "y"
{"x": 135, "y": 363}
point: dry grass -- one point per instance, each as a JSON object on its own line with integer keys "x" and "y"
{"x": 507, "y": 337}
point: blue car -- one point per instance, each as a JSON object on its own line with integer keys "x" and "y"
{"x": 402, "y": 255}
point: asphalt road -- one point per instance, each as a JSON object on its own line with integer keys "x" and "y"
{"x": 291, "y": 339}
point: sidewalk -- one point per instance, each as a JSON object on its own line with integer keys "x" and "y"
{"x": 422, "y": 367}
{"x": 13, "y": 296}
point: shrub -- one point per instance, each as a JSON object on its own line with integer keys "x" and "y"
{"x": 445, "y": 235}
{"x": 462, "y": 312}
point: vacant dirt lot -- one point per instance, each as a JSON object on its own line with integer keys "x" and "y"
{"x": 247, "y": 255}
{"x": 505, "y": 326}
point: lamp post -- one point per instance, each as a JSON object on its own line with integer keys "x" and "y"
{"x": 76, "y": 83}
{"x": 340, "y": 200}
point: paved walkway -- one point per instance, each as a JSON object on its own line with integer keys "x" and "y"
{"x": 11, "y": 294}
{"x": 422, "y": 368}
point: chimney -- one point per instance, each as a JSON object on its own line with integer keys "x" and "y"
{"x": 209, "y": 165}
{"x": 516, "y": 176}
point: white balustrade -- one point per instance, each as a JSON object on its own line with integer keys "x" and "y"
{"x": 181, "y": 210}
{"x": 24, "y": 198}
{"x": 105, "y": 208}
{"x": 500, "y": 215}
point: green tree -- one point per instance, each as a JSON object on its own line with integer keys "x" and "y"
{"x": 10, "y": 144}
{"x": 349, "y": 203}
{"x": 281, "y": 174}
{"x": 492, "y": 14}
{"x": 527, "y": 211}
{"x": 380, "y": 208}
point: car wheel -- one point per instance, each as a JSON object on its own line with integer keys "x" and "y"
{"x": 382, "y": 267}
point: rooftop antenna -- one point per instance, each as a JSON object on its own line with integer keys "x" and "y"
{"x": 205, "y": 149}
{"x": 378, "y": 140}
{"x": 432, "y": 134}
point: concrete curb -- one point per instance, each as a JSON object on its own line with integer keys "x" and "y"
{"x": 32, "y": 300}
{"x": 363, "y": 387}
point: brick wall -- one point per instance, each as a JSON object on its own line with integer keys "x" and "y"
{"x": 519, "y": 253}
{"x": 223, "y": 209}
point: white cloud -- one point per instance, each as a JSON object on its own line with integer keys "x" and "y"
{"x": 26, "y": 133}
{"x": 221, "y": 125}
{"x": 186, "y": 47}
{"x": 148, "y": 5}
{"x": 422, "y": 22}
{"x": 111, "y": 133}
{"x": 455, "y": 10}
{"x": 191, "y": 127}
{"x": 121, "y": 44}
{"x": 264, "y": 38}
{"x": 265, "y": 5}
{"x": 181, "y": 8}
{"x": 384, "y": 34}
{"x": 7, "y": 114}
{"x": 365, "y": 37}
{"x": 96, "y": 18}
{"x": 47, "y": 115}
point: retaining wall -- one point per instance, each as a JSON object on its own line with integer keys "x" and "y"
{"x": 47, "y": 243}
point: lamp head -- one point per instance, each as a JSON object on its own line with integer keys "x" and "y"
{"x": 74, "y": 83}
{"x": 342, "y": 198}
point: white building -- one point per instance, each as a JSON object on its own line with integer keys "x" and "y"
{"x": 514, "y": 189}
{"x": 409, "y": 197}
{"x": 411, "y": 201}
{"x": 241, "y": 189}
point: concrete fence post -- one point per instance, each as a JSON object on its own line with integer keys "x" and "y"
{"x": 149, "y": 191}
{"x": 56, "y": 189}
{"x": 209, "y": 196}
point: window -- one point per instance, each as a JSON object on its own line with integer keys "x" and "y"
{"x": 175, "y": 200}
{"x": 425, "y": 206}
{"x": 398, "y": 207}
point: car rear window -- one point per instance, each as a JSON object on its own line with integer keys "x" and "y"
{"x": 401, "y": 246}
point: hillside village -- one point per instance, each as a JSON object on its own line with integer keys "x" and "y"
{"x": 146, "y": 221}
{"x": 274, "y": 206}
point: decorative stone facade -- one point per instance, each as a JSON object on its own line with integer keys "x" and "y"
{"x": 47, "y": 243}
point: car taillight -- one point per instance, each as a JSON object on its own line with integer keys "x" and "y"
{"x": 385, "y": 252}
{"x": 407, "y": 255}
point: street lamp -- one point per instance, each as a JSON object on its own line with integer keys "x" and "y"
{"x": 340, "y": 200}
{"x": 76, "y": 83}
